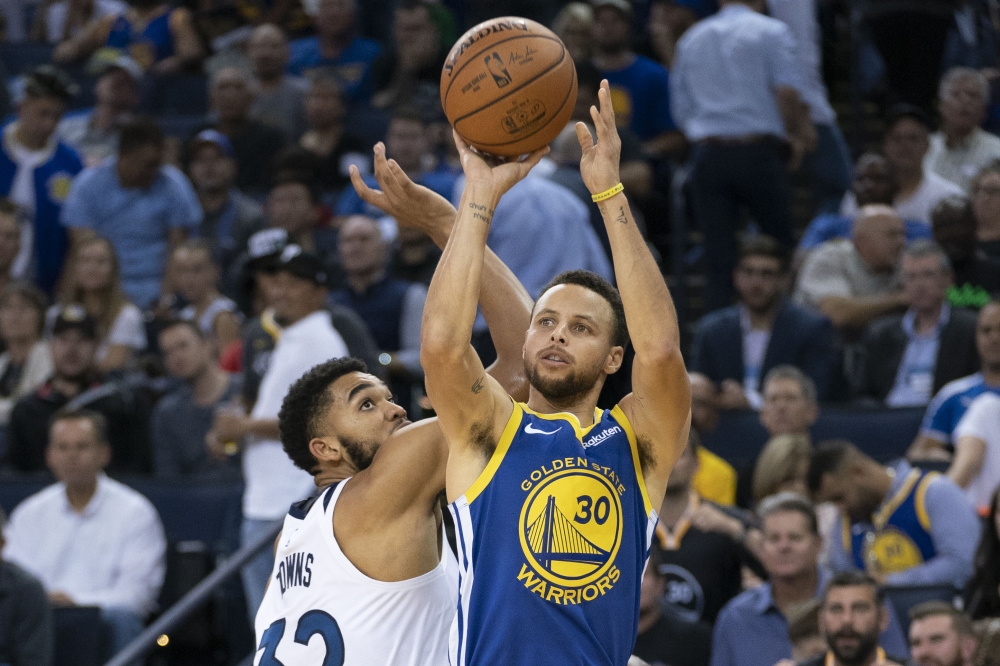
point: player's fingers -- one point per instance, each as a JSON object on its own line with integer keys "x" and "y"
{"x": 379, "y": 151}
{"x": 463, "y": 147}
{"x": 607, "y": 108}
{"x": 584, "y": 136}
{"x": 361, "y": 187}
{"x": 531, "y": 160}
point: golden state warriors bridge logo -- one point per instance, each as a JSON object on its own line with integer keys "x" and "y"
{"x": 570, "y": 531}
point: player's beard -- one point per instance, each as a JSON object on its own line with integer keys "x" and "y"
{"x": 563, "y": 389}
{"x": 362, "y": 453}
{"x": 855, "y": 656}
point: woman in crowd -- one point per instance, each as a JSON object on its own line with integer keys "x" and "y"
{"x": 197, "y": 276}
{"x": 982, "y": 593}
{"x": 26, "y": 362}
{"x": 92, "y": 280}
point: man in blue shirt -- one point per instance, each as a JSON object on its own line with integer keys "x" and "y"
{"x": 736, "y": 93}
{"x": 36, "y": 170}
{"x": 900, "y": 524}
{"x": 950, "y": 403}
{"x": 752, "y": 630}
{"x": 145, "y": 208}
{"x": 336, "y": 51}
{"x": 640, "y": 87}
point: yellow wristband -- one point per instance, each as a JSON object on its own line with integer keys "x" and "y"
{"x": 607, "y": 194}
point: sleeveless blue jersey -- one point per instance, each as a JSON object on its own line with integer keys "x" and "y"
{"x": 553, "y": 537}
{"x": 899, "y": 537}
{"x": 153, "y": 44}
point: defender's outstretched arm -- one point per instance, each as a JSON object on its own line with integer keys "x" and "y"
{"x": 659, "y": 406}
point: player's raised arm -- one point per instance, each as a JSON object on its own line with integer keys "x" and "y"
{"x": 659, "y": 406}
{"x": 471, "y": 406}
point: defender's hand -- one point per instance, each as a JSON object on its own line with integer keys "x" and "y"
{"x": 412, "y": 205}
{"x": 599, "y": 163}
{"x": 501, "y": 177}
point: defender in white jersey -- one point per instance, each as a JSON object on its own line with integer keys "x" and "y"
{"x": 360, "y": 572}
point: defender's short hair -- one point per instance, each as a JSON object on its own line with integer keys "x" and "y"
{"x": 854, "y": 579}
{"x": 604, "y": 289}
{"x": 789, "y": 502}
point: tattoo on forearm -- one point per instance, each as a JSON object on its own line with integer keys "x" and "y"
{"x": 482, "y": 212}
{"x": 622, "y": 218}
{"x": 478, "y": 386}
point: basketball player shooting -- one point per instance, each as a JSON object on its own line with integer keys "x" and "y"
{"x": 554, "y": 499}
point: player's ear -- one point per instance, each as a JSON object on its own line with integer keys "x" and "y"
{"x": 326, "y": 449}
{"x": 613, "y": 362}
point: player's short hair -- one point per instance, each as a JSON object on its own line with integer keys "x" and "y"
{"x": 96, "y": 419}
{"x": 307, "y": 399}
{"x": 604, "y": 289}
{"x": 789, "y": 502}
{"x": 854, "y": 579}
{"x": 960, "y": 622}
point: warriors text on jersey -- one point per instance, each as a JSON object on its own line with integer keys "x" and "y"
{"x": 553, "y": 537}
{"x": 320, "y": 609}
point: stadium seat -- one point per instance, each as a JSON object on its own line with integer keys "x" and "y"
{"x": 78, "y": 636}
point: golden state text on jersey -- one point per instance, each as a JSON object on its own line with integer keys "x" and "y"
{"x": 553, "y": 538}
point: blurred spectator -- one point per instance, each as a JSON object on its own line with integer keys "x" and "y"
{"x": 74, "y": 384}
{"x": 406, "y": 141}
{"x": 91, "y": 540}
{"x": 144, "y": 207}
{"x": 874, "y": 183}
{"x": 907, "y": 526}
{"x": 36, "y": 170}
{"x": 951, "y": 402}
{"x": 976, "y": 275}
{"x": 10, "y": 239}
{"x": 908, "y": 358}
{"x": 665, "y": 637}
{"x": 25, "y": 616}
{"x": 261, "y": 333}
{"x": 182, "y": 418}
{"x": 640, "y": 87}
{"x": 294, "y": 205}
{"x": 855, "y": 282}
{"x": 803, "y": 630}
{"x": 94, "y": 132}
{"x": 752, "y": 629}
{"x": 701, "y": 562}
{"x": 668, "y": 21}
{"x": 573, "y": 25}
{"x": 905, "y": 146}
{"x": 961, "y": 148}
{"x": 738, "y": 345}
{"x": 415, "y": 256}
{"x": 229, "y": 217}
{"x": 57, "y": 21}
{"x": 272, "y": 481}
{"x": 197, "y": 276}
{"x": 391, "y": 308}
{"x": 704, "y": 403}
{"x": 336, "y": 52}
{"x": 329, "y": 138}
{"x": 411, "y": 71}
{"x": 26, "y": 361}
{"x": 830, "y": 163}
{"x": 255, "y": 145}
{"x": 976, "y": 465}
{"x": 93, "y": 282}
{"x": 278, "y": 99}
{"x": 790, "y": 404}
{"x": 940, "y": 635}
{"x": 161, "y": 38}
{"x": 736, "y": 94}
{"x": 852, "y": 615}
{"x": 986, "y": 206}
{"x": 982, "y": 593}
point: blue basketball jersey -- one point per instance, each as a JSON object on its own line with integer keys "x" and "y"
{"x": 899, "y": 536}
{"x": 553, "y": 537}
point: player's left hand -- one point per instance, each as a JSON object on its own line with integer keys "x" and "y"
{"x": 599, "y": 163}
{"x": 501, "y": 177}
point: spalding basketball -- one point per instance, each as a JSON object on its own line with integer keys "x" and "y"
{"x": 508, "y": 86}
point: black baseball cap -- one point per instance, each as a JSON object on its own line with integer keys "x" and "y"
{"x": 302, "y": 264}
{"x": 75, "y": 317}
{"x": 264, "y": 248}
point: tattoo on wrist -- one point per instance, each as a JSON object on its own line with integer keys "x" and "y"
{"x": 622, "y": 218}
{"x": 482, "y": 212}
{"x": 478, "y": 385}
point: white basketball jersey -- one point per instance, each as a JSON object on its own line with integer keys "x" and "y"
{"x": 320, "y": 610}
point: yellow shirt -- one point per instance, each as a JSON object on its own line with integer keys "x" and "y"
{"x": 715, "y": 479}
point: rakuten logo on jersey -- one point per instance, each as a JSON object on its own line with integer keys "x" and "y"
{"x": 601, "y": 436}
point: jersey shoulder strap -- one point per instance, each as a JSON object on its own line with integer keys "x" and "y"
{"x": 299, "y": 509}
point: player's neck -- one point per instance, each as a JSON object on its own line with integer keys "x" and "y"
{"x": 581, "y": 406}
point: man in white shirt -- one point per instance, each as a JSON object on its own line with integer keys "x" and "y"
{"x": 906, "y": 142}
{"x": 92, "y": 541}
{"x": 961, "y": 148}
{"x": 308, "y": 338}
{"x": 976, "y": 465}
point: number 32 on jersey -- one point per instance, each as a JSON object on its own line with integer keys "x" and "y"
{"x": 311, "y": 623}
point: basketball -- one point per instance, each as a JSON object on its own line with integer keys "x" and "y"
{"x": 508, "y": 86}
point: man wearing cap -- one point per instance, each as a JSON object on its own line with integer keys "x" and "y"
{"x": 93, "y": 132}
{"x": 75, "y": 384}
{"x": 229, "y": 217}
{"x": 273, "y": 482}
{"x": 36, "y": 170}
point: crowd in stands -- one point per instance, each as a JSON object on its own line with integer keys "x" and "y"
{"x": 180, "y": 240}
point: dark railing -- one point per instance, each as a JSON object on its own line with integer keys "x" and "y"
{"x": 190, "y": 602}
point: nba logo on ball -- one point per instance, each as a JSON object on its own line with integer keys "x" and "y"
{"x": 508, "y": 86}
